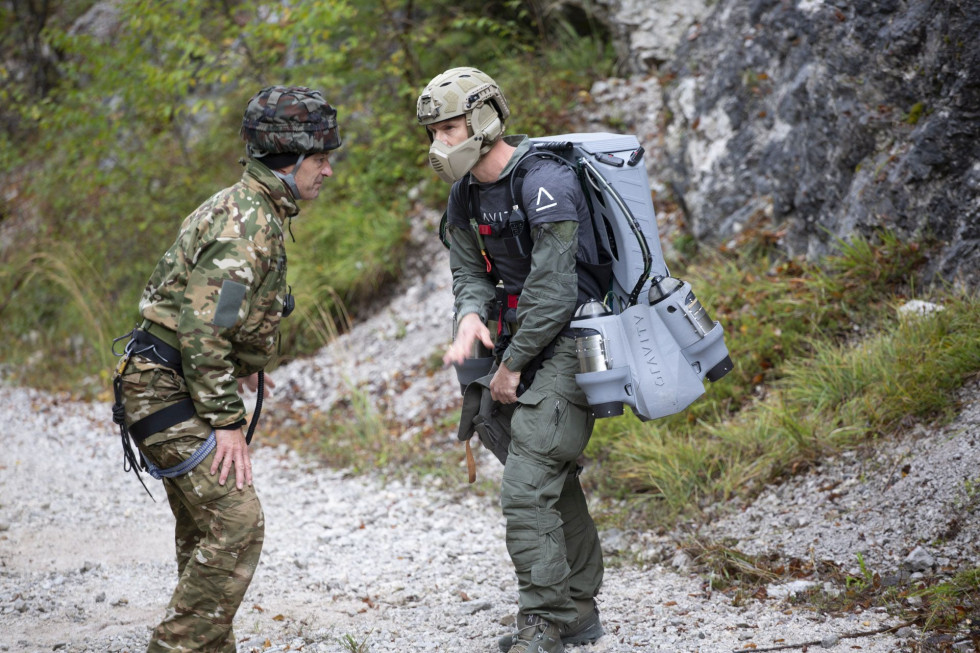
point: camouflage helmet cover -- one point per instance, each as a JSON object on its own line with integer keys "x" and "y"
{"x": 289, "y": 119}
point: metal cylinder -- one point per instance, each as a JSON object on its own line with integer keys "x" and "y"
{"x": 698, "y": 315}
{"x": 591, "y": 352}
{"x": 478, "y": 350}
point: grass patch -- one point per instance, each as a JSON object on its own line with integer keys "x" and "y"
{"x": 823, "y": 363}
{"x": 41, "y": 352}
{"x": 954, "y": 603}
{"x": 357, "y": 435}
{"x": 946, "y": 608}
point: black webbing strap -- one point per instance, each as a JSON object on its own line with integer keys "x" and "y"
{"x": 531, "y": 369}
{"x": 150, "y": 346}
{"x": 258, "y": 408}
{"x": 162, "y": 419}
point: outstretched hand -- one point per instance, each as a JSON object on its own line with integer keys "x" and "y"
{"x": 471, "y": 328}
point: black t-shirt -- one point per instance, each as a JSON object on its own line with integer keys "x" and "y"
{"x": 550, "y": 192}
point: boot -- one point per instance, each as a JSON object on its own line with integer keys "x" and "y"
{"x": 586, "y": 629}
{"x": 535, "y": 634}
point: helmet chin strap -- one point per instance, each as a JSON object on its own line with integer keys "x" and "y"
{"x": 290, "y": 179}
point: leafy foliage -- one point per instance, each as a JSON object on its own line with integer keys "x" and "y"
{"x": 115, "y": 145}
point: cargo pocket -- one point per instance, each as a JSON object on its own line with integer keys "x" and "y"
{"x": 551, "y": 426}
{"x": 152, "y": 382}
{"x": 552, "y": 568}
{"x": 224, "y": 561}
{"x": 211, "y": 585}
{"x": 574, "y": 428}
{"x": 533, "y": 426}
{"x": 148, "y": 387}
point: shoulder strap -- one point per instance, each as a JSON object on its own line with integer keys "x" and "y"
{"x": 444, "y": 221}
{"x": 516, "y": 191}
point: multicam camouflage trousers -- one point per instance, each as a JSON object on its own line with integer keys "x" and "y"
{"x": 551, "y": 537}
{"x": 219, "y": 529}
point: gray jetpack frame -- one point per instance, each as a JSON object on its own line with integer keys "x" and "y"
{"x": 648, "y": 343}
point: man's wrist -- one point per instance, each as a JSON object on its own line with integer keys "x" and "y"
{"x": 231, "y": 427}
{"x": 511, "y": 364}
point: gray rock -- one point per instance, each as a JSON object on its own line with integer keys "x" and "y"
{"x": 919, "y": 560}
{"x": 472, "y": 607}
{"x": 841, "y": 119}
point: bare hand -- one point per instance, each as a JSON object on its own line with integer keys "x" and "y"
{"x": 251, "y": 383}
{"x": 232, "y": 451}
{"x": 503, "y": 385}
{"x": 471, "y": 328}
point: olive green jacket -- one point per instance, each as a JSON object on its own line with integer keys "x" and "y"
{"x": 548, "y": 299}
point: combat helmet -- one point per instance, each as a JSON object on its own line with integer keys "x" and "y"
{"x": 466, "y": 92}
{"x": 282, "y": 120}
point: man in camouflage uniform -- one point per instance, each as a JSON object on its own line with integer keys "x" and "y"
{"x": 547, "y": 263}
{"x": 213, "y": 304}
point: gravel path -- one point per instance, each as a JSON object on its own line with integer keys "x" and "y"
{"x": 86, "y": 559}
{"x": 86, "y": 565}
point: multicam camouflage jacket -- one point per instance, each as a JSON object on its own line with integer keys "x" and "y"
{"x": 220, "y": 289}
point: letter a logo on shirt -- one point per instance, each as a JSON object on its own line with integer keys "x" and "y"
{"x": 543, "y": 191}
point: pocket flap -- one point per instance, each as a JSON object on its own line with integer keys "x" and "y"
{"x": 531, "y": 397}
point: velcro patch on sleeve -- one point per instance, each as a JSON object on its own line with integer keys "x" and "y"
{"x": 229, "y": 303}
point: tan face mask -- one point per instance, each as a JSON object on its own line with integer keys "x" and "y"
{"x": 451, "y": 163}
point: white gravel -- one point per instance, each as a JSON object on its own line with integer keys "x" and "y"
{"x": 86, "y": 559}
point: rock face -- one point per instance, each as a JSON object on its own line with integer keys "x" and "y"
{"x": 824, "y": 119}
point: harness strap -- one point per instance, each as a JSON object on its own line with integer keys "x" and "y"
{"x": 155, "y": 348}
{"x": 179, "y": 470}
{"x": 260, "y": 391}
{"x": 145, "y": 343}
{"x": 132, "y": 460}
{"x": 483, "y": 248}
{"x": 162, "y": 419}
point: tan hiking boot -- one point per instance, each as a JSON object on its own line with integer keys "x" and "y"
{"x": 535, "y": 634}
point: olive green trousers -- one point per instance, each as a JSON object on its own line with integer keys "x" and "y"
{"x": 551, "y": 537}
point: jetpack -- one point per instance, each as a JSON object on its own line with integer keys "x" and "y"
{"x": 649, "y": 343}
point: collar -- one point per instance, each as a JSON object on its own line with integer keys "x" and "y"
{"x": 259, "y": 178}
{"x": 523, "y": 144}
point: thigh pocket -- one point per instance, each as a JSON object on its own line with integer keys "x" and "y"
{"x": 535, "y": 424}
{"x": 550, "y": 425}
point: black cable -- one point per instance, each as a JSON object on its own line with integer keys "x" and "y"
{"x": 258, "y": 408}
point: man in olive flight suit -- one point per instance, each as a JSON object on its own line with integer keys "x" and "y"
{"x": 211, "y": 312}
{"x": 552, "y": 266}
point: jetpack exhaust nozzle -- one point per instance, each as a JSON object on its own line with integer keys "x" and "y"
{"x": 653, "y": 356}
{"x": 590, "y": 347}
{"x": 699, "y": 336}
